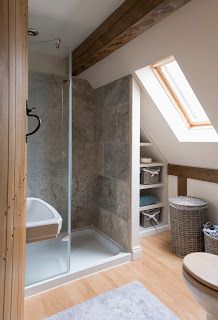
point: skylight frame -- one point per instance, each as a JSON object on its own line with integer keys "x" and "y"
{"x": 156, "y": 68}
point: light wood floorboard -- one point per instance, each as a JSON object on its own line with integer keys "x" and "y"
{"x": 158, "y": 270}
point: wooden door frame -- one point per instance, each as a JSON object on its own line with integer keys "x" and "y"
{"x": 13, "y": 95}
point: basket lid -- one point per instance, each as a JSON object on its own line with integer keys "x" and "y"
{"x": 187, "y": 202}
{"x": 203, "y": 267}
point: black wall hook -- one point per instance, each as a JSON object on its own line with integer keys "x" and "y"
{"x": 28, "y": 113}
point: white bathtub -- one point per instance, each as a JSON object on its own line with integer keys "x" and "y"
{"x": 42, "y": 220}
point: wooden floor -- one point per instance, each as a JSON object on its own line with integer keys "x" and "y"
{"x": 158, "y": 270}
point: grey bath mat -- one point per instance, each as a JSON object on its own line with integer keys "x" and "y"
{"x": 130, "y": 302}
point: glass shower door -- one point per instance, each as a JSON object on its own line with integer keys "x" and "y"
{"x": 49, "y": 167}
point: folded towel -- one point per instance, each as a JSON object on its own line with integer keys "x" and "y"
{"x": 147, "y": 200}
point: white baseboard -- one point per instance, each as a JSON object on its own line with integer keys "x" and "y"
{"x": 136, "y": 253}
{"x": 151, "y": 230}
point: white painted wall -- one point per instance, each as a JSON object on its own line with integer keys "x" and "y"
{"x": 201, "y": 189}
{"x": 184, "y": 153}
{"x": 50, "y": 64}
{"x": 207, "y": 191}
{"x": 190, "y": 34}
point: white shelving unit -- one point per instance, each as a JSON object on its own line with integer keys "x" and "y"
{"x": 148, "y": 149}
{"x": 152, "y": 164}
{"x": 151, "y": 186}
{"x": 145, "y": 144}
{"x": 152, "y": 206}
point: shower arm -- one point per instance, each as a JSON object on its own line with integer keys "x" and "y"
{"x": 57, "y": 42}
{"x": 28, "y": 113}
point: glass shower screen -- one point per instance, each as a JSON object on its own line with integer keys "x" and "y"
{"x": 49, "y": 163}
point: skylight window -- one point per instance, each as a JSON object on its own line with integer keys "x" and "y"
{"x": 180, "y": 92}
{"x": 171, "y": 93}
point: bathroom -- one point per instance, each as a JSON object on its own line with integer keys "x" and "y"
{"x": 84, "y": 162}
{"x": 109, "y": 148}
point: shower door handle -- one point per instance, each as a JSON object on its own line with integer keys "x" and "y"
{"x": 28, "y": 112}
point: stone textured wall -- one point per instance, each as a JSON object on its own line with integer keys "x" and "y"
{"x": 101, "y": 173}
{"x": 113, "y": 181}
{"x": 100, "y": 152}
{"x": 86, "y": 157}
{"x": 48, "y": 148}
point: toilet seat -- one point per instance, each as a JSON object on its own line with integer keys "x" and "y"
{"x": 203, "y": 267}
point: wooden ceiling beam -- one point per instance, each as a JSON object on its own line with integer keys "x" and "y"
{"x": 127, "y": 22}
{"x": 203, "y": 174}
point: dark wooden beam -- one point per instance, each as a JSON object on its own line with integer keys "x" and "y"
{"x": 182, "y": 186}
{"x": 131, "y": 19}
{"x": 203, "y": 174}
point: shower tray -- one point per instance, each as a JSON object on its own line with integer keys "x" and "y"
{"x": 91, "y": 251}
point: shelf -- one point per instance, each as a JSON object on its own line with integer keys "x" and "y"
{"x": 152, "y": 206}
{"x": 145, "y": 144}
{"x": 152, "y": 230}
{"x": 151, "y": 186}
{"x": 152, "y": 164}
{"x": 158, "y": 189}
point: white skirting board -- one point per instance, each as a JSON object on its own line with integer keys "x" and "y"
{"x": 136, "y": 253}
{"x": 151, "y": 230}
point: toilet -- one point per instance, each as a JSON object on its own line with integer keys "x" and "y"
{"x": 200, "y": 272}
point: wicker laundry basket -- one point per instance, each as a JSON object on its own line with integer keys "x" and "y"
{"x": 187, "y": 217}
{"x": 211, "y": 243}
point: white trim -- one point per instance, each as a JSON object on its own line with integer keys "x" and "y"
{"x": 151, "y": 230}
{"x": 145, "y": 144}
{"x": 136, "y": 253}
{"x": 152, "y": 164}
{"x": 151, "y": 186}
{"x": 135, "y": 159}
{"x": 152, "y": 206}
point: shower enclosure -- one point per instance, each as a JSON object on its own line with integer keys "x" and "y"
{"x": 78, "y": 190}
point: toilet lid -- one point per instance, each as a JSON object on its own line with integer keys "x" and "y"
{"x": 203, "y": 267}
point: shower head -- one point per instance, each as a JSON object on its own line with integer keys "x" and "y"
{"x": 33, "y": 32}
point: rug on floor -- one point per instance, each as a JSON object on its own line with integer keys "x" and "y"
{"x": 130, "y": 302}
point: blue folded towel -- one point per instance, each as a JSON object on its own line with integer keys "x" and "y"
{"x": 147, "y": 200}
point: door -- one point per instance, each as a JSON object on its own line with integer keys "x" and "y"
{"x": 13, "y": 95}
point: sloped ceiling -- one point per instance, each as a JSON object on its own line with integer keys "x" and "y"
{"x": 197, "y": 154}
{"x": 190, "y": 35}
